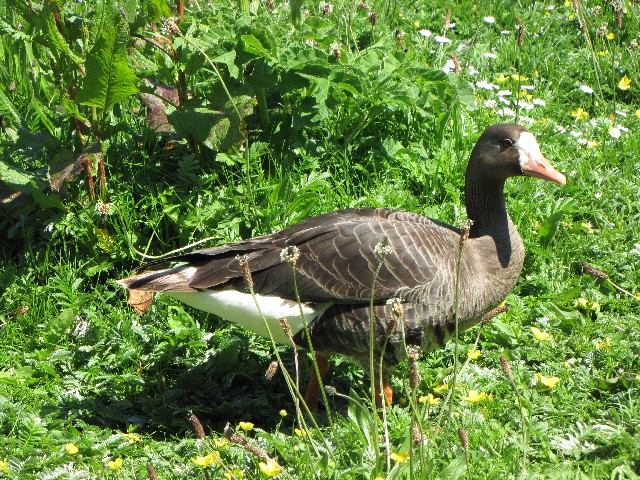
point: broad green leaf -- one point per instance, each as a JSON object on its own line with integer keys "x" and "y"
{"x": 157, "y": 9}
{"x": 218, "y": 130}
{"x": 28, "y": 183}
{"x": 455, "y": 469}
{"x": 55, "y": 39}
{"x": 252, "y": 46}
{"x": 179, "y": 319}
{"x": 109, "y": 78}
{"x": 296, "y": 14}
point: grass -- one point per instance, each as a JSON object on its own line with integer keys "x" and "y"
{"x": 80, "y": 368}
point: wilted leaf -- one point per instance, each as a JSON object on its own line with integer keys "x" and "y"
{"x": 140, "y": 300}
{"x": 106, "y": 241}
{"x": 157, "y": 105}
{"x": 65, "y": 167}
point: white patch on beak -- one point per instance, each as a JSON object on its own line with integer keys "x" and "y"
{"x": 533, "y": 163}
{"x": 528, "y": 148}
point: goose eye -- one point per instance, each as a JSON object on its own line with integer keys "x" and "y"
{"x": 507, "y": 142}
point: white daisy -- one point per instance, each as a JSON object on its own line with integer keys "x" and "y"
{"x": 539, "y": 102}
{"x": 614, "y": 132}
{"x": 586, "y": 89}
{"x": 489, "y": 19}
{"x": 425, "y": 33}
{"x": 441, "y": 39}
{"x": 483, "y": 84}
{"x": 489, "y": 55}
{"x": 449, "y": 66}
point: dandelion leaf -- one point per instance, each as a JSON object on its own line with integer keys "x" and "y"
{"x": 109, "y": 79}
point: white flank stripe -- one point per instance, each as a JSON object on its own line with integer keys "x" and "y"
{"x": 240, "y": 308}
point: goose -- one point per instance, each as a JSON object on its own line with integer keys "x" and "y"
{"x": 339, "y": 267}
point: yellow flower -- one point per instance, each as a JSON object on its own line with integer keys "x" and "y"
{"x": 587, "y": 227}
{"x": 399, "y": 457}
{"x": 519, "y": 78}
{"x": 474, "y": 396}
{"x": 234, "y": 473}
{"x": 592, "y": 144}
{"x": 549, "y": 382}
{"x": 603, "y": 53}
{"x": 638, "y": 113}
{"x": 132, "y": 437}
{"x": 207, "y": 460}
{"x": 441, "y": 388}
{"x": 221, "y": 442}
{"x": 283, "y": 413}
{"x": 300, "y": 433}
{"x": 474, "y": 354}
{"x": 611, "y": 36}
{"x": 580, "y": 114}
{"x": 606, "y": 344}
{"x": 416, "y": 24}
{"x": 246, "y": 426}
{"x": 586, "y": 304}
{"x": 502, "y": 78}
{"x": 539, "y": 334}
{"x": 429, "y": 399}
{"x": 71, "y": 449}
{"x": 269, "y": 468}
{"x": 566, "y": 365}
{"x": 114, "y": 464}
{"x": 624, "y": 83}
{"x": 4, "y": 466}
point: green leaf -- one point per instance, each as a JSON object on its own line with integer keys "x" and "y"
{"x": 157, "y": 9}
{"x": 109, "y": 78}
{"x": 6, "y": 105}
{"x": 218, "y": 130}
{"x": 455, "y": 469}
{"x": 252, "y": 46}
{"x": 58, "y": 327}
{"x": 180, "y": 320}
{"x": 29, "y": 184}
{"x": 55, "y": 39}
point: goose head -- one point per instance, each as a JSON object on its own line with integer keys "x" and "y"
{"x": 506, "y": 150}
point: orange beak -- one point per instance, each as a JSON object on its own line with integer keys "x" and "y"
{"x": 540, "y": 167}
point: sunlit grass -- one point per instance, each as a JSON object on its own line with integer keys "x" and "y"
{"x": 90, "y": 389}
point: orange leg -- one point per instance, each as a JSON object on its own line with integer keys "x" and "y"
{"x": 313, "y": 388}
{"x": 388, "y": 395}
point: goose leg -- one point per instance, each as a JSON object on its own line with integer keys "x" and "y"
{"x": 313, "y": 387}
{"x": 387, "y": 391}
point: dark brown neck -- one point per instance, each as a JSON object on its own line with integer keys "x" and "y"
{"x": 485, "y": 207}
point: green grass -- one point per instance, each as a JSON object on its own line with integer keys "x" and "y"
{"x": 79, "y": 366}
